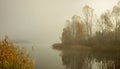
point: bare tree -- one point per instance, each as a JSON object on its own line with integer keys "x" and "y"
{"x": 116, "y": 18}
{"x": 106, "y": 21}
{"x": 88, "y": 14}
{"x": 73, "y": 31}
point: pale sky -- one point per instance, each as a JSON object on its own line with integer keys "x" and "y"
{"x": 43, "y": 20}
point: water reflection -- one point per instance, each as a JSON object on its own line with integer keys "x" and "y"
{"x": 76, "y": 59}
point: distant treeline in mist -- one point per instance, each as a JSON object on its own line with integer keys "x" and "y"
{"x": 89, "y": 29}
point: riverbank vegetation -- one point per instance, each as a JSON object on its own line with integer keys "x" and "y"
{"x": 90, "y": 30}
{"x": 14, "y": 57}
{"x": 93, "y": 33}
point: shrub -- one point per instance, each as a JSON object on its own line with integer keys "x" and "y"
{"x": 13, "y": 57}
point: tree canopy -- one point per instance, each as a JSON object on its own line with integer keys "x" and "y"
{"x": 82, "y": 29}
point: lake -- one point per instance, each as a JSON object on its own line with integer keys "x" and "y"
{"x": 44, "y": 55}
{"x": 48, "y": 58}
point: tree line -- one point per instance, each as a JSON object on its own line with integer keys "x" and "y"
{"x": 89, "y": 29}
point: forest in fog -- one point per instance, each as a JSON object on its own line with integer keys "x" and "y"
{"x": 89, "y": 29}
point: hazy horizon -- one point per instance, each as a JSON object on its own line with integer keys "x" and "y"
{"x": 43, "y": 20}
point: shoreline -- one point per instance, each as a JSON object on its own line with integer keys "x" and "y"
{"x": 107, "y": 48}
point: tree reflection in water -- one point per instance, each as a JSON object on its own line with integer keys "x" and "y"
{"x": 75, "y": 59}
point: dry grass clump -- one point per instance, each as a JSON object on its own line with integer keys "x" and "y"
{"x": 13, "y": 57}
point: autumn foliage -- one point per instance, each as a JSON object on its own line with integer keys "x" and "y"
{"x": 13, "y": 57}
{"x": 91, "y": 30}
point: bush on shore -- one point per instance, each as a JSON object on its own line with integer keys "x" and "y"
{"x": 13, "y": 57}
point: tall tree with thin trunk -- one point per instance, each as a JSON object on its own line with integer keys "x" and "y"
{"x": 88, "y": 14}
{"x": 73, "y": 32}
{"x": 116, "y": 18}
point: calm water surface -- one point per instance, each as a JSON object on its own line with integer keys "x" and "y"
{"x": 44, "y": 55}
{"x": 89, "y": 59}
{"x": 48, "y": 58}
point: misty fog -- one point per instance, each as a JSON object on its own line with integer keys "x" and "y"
{"x": 41, "y": 20}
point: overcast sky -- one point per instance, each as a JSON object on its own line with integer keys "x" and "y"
{"x": 42, "y": 20}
